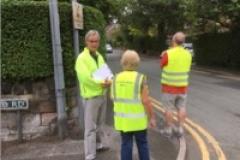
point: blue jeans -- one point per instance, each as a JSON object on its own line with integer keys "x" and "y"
{"x": 127, "y": 145}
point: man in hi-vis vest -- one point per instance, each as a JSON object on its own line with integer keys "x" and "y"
{"x": 175, "y": 64}
{"x": 93, "y": 94}
{"x": 132, "y": 107}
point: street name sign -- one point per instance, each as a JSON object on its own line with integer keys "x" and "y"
{"x": 14, "y": 104}
{"x": 77, "y": 9}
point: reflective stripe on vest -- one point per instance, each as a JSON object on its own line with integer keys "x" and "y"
{"x": 130, "y": 115}
{"x": 175, "y": 73}
{"x": 175, "y": 77}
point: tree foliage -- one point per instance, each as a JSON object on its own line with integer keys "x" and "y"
{"x": 158, "y": 19}
{"x": 110, "y": 8}
{"x": 153, "y": 20}
{"x": 217, "y": 15}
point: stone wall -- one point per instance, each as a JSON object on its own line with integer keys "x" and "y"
{"x": 41, "y": 117}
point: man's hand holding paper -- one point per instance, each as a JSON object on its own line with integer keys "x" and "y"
{"x": 106, "y": 83}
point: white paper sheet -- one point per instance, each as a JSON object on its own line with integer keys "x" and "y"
{"x": 104, "y": 72}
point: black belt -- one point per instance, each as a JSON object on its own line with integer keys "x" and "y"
{"x": 93, "y": 97}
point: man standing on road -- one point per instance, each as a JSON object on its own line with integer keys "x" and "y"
{"x": 132, "y": 107}
{"x": 93, "y": 93}
{"x": 175, "y": 64}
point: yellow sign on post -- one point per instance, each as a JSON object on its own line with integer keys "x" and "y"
{"x": 77, "y": 15}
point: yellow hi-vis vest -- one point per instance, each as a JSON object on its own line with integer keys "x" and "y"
{"x": 129, "y": 112}
{"x": 176, "y": 72}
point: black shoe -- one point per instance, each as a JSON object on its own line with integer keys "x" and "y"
{"x": 167, "y": 132}
{"x": 179, "y": 131}
{"x": 103, "y": 149}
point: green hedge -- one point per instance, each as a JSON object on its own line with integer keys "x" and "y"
{"x": 26, "y": 39}
{"x": 220, "y": 50}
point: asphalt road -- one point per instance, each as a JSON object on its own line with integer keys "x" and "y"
{"x": 213, "y": 102}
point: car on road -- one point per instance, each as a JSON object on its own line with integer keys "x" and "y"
{"x": 109, "y": 48}
{"x": 189, "y": 46}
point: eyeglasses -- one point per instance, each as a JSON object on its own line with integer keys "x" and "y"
{"x": 96, "y": 41}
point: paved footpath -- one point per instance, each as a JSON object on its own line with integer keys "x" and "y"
{"x": 51, "y": 148}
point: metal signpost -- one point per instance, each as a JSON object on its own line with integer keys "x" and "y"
{"x": 15, "y": 105}
{"x": 78, "y": 24}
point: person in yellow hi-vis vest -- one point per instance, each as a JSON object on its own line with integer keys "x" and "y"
{"x": 93, "y": 94}
{"x": 132, "y": 107}
{"x": 175, "y": 64}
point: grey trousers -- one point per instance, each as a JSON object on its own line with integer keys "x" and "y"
{"x": 94, "y": 120}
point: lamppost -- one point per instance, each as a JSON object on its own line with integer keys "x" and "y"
{"x": 58, "y": 69}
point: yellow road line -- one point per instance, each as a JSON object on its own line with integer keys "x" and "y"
{"x": 210, "y": 138}
{"x": 197, "y": 138}
{"x": 200, "y": 142}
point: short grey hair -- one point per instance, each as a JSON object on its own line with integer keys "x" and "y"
{"x": 91, "y": 33}
{"x": 179, "y": 38}
{"x": 130, "y": 60}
